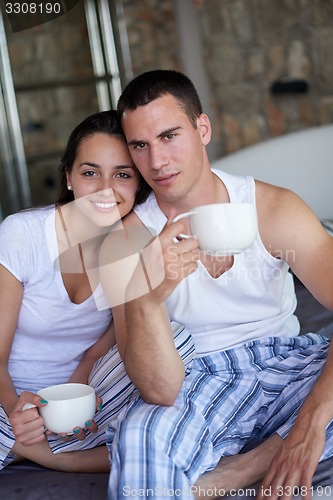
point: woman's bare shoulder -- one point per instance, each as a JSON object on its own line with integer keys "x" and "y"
{"x": 132, "y": 220}
{"x": 129, "y": 236}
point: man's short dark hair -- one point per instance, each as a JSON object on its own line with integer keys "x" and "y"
{"x": 151, "y": 85}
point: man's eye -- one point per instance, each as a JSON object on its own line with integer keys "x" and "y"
{"x": 170, "y": 136}
{"x": 140, "y": 145}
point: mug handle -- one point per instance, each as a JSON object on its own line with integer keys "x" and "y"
{"x": 182, "y": 216}
{"x": 27, "y": 406}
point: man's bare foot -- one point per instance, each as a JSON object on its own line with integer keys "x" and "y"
{"x": 237, "y": 472}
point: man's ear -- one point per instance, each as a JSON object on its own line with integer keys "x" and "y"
{"x": 205, "y": 129}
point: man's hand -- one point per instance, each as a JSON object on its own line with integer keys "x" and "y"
{"x": 178, "y": 257}
{"x": 293, "y": 466}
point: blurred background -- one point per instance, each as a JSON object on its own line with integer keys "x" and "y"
{"x": 263, "y": 68}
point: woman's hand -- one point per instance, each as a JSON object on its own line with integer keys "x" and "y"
{"x": 27, "y": 424}
{"x": 91, "y": 425}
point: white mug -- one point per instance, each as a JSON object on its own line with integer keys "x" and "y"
{"x": 68, "y": 406}
{"x": 222, "y": 228}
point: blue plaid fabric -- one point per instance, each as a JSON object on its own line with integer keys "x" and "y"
{"x": 228, "y": 400}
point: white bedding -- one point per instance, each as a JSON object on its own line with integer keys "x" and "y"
{"x": 301, "y": 161}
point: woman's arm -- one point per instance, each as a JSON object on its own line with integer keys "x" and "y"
{"x": 99, "y": 349}
{"x": 11, "y": 293}
{"x": 83, "y": 370}
{"x": 27, "y": 425}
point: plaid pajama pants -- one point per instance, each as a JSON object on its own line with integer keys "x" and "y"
{"x": 112, "y": 384}
{"x": 228, "y": 400}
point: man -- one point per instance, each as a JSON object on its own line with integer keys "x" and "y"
{"x": 252, "y": 372}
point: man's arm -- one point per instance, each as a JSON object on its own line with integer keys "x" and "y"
{"x": 142, "y": 325}
{"x": 296, "y": 461}
{"x": 291, "y": 231}
{"x": 149, "y": 354}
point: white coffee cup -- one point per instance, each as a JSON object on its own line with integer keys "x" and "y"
{"x": 68, "y": 406}
{"x": 222, "y": 228}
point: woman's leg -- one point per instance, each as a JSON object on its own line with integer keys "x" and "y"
{"x": 95, "y": 460}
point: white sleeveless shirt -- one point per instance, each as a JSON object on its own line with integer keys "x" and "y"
{"x": 255, "y": 298}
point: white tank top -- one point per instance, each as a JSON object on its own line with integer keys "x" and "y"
{"x": 254, "y": 298}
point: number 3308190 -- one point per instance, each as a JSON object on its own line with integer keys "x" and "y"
{"x": 33, "y": 8}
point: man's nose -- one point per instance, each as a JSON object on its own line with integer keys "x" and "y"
{"x": 158, "y": 157}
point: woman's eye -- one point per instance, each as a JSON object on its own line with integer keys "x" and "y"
{"x": 122, "y": 175}
{"x": 89, "y": 173}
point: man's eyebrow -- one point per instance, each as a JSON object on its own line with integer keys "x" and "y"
{"x": 135, "y": 142}
{"x": 169, "y": 131}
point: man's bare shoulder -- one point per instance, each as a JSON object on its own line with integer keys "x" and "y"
{"x": 276, "y": 200}
{"x": 281, "y": 214}
{"x": 272, "y": 192}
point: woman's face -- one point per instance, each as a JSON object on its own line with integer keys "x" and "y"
{"x": 104, "y": 179}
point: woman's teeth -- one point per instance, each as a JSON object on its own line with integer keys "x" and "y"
{"x": 105, "y": 205}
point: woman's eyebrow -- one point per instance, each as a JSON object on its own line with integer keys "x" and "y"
{"x": 90, "y": 164}
{"x": 125, "y": 166}
{"x": 96, "y": 165}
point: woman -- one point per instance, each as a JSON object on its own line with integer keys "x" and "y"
{"x": 49, "y": 293}
{"x": 55, "y": 323}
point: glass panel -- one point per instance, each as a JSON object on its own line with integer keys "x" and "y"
{"x": 56, "y": 83}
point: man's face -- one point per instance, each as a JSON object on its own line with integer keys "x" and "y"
{"x": 166, "y": 148}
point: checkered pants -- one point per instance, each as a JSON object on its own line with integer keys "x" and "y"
{"x": 228, "y": 400}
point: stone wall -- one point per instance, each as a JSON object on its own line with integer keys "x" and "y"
{"x": 248, "y": 45}
{"x": 152, "y": 34}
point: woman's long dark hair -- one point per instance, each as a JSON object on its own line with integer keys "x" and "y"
{"x": 104, "y": 122}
